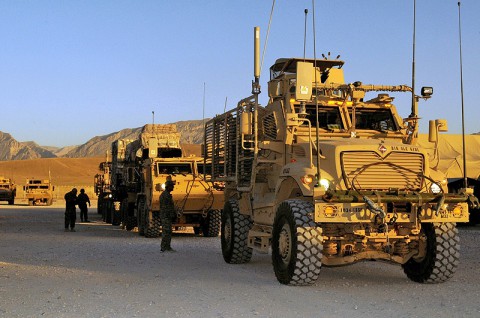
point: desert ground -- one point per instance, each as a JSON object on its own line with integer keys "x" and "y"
{"x": 104, "y": 271}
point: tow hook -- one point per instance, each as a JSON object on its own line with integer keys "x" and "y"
{"x": 375, "y": 208}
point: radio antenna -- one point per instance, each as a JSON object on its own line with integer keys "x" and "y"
{"x": 317, "y": 133}
{"x": 268, "y": 32}
{"x": 203, "y": 112}
{"x": 414, "y": 111}
{"x": 305, "y": 35}
{"x": 461, "y": 94}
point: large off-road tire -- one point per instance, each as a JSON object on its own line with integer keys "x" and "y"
{"x": 123, "y": 213}
{"x": 107, "y": 211}
{"x": 234, "y": 236}
{"x": 441, "y": 255}
{"x": 197, "y": 230}
{"x": 129, "y": 220}
{"x": 99, "y": 205}
{"x": 130, "y": 223}
{"x": 211, "y": 224}
{"x": 296, "y": 244}
{"x": 116, "y": 213}
{"x": 140, "y": 216}
{"x": 153, "y": 228}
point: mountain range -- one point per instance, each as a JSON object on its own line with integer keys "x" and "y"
{"x": 11, "y": 149}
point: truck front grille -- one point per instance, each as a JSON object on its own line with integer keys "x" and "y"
{"x": 370, "y": 171}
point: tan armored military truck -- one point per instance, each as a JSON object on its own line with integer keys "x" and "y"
{"x": 153, "y": 158}
{"x": 101, "y": 183}
{"x": 118, "y": 186}
{"x": 8, "y": 190}
{"x": 39, "y": 191}
{"x": 324, "y": 175}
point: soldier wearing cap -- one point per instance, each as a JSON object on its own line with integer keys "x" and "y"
{"x": 167, "y": 214}
{"x": 82, "y": 201}
{"x": 70, "y": 210}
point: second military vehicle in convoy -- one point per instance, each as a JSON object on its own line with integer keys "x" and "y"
{"x": 101, "y": 184}
{"x": 8, "y": 190}
{"x": 39, "y": 191}
{"x": 147, "y": 163}
{"x": 324, "y": 175}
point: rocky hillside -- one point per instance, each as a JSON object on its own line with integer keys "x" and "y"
{"x": 10, "y": 149}
{"x": 98, "y": 146}
{"x": 192, "y": 131}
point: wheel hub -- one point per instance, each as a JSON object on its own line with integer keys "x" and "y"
{"x": 285, "y": 243}
{"x": 227, "y": 231}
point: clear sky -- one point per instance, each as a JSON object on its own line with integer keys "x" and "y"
{"x": 72, "y": 70}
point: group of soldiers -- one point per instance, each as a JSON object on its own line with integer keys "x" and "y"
{"x": 71, "y": 200}
{"x": 167, "y": 212}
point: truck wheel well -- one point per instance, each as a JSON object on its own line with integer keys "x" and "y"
{"x": 288, "y": 189}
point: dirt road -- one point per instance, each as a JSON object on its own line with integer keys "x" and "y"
{"x": 103, "y": 271}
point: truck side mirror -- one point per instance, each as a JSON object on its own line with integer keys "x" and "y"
{"x": 436, "y": 126}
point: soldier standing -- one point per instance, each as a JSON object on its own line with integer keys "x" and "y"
{"x": 82, "y": 201}
{"x": 167, "y": 213}
{"x": 70, "y": 211}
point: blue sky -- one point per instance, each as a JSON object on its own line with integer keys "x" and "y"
{"x": 72, "y": 70}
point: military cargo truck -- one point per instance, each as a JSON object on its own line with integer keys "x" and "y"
{"x": 8, "y": 190}
{"x": 324, "y": 175}
{"x": 150, "y": 160}
{"x": 39, "y": 191}
{"x": 101, "y": 182}
{"x": 117, "y": 183}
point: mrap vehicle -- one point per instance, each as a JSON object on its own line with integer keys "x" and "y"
{"x": 324, "y": 175}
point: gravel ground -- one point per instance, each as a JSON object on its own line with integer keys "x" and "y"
{"x": 103, "y": 271}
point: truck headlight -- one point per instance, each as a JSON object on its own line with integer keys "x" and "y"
{"x": 325, "y": 183}
{"x": 435, "y": 188}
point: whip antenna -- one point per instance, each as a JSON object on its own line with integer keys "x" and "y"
{"x": 461, "y": 94}
{"x": 414, "y": 110}
{"x": 316, "y": 99}
{"x": 268, "y": 32}
{"x": 305, "y": 35}
{"x": 203, "y": 113}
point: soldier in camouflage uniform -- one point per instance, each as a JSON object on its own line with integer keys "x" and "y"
{"x": 167, "y": 214}
{"x": 70, "y": 210}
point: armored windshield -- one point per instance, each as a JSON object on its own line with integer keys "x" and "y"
{"x": 174, "y": 168}
{"x": 329, "y": 117}
{"x": 38, "y": 186}
{"x": 374, "y": 119}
